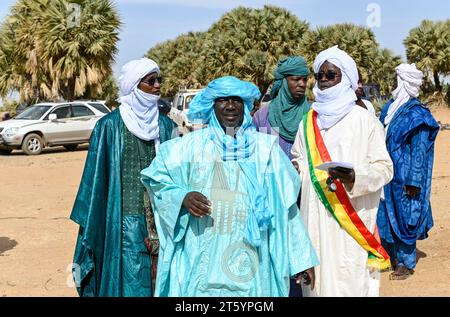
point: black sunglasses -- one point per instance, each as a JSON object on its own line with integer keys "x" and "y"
{"x": 329, "y": 75}
{"x": 152, "y": 81}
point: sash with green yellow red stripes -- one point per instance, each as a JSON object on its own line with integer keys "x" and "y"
{"x": 338, "y": 203}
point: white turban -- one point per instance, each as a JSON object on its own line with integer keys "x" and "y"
{"x": 409, "y": 80}
{"x": 336, "y": 102}
{"x": 132, "y": 73}
{"x": 139, "y": 110}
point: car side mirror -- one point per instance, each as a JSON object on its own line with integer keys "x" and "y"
{"x": 180, "y": 107}
{"x": 52, "y": 117}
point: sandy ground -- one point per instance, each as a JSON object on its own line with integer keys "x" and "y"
{"x": 37, "y": 238}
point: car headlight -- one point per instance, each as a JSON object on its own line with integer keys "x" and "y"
{"x": 11, "y": 131}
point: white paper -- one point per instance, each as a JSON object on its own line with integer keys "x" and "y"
{"x": 325, "y": 166}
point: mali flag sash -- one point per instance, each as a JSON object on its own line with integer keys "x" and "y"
{"x": 338, "y": 203}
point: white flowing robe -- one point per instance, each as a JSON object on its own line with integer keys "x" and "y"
{"x": 359, "y": 139}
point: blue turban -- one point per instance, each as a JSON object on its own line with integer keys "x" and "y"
{"x": 202, "y": 106}
{"x": 239, "y": 148}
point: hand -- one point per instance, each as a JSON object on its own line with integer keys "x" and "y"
{"x": 297, "y": 167}
{"x": 308, "y": 277}
{"x": 348, "y": 179}
{"x": 411, "y": 191}
{"x": 197, "y": 204}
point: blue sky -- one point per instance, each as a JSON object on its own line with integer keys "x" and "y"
{"x": 148, "y": 22}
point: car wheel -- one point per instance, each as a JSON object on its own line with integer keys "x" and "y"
{"x": 71, "y": 147}
{"x": 32, "y": 144}
{"x": 5, "y": 151}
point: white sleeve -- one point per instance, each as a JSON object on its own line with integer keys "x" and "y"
{"x": 378, "y": 169}
{"x": 297, "y": 147}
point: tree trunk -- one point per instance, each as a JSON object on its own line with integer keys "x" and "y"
{"x": 436, "y": 81}
{"x": 70, "y": 91}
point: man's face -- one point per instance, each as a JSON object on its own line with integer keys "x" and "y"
{"x": 151, "y": 84}
{"x": 229, "y": 111}
{"x": 360, "y": 91}
{"x": 329, "y": 75}
{"x": 297, "y": 86}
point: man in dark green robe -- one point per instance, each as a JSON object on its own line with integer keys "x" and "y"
{"x": 117, "y": 237}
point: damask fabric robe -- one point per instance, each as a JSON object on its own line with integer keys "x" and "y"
{"x": 358, "y": 138}
{"x": 209, "y": 256}
{"x": 410, "y": 141}
{"x": 110, "y": 256}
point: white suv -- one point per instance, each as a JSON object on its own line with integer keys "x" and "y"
{"x": 51, "y": 124}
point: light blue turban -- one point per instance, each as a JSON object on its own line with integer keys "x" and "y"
{"x": 202, "y": 106}
{"x": 240, "y": 148}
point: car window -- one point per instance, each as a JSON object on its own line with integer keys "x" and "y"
{"x": 62, "y": 112}
{"x": 100, "y": 107}
{"x": 81, "y": 111}
{"x": 188, "y": 100}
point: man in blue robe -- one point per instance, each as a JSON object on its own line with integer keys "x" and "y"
{"x": 225, "y": 204}
{"x": 116, "y": 240}
{"x": 404, "y": 215}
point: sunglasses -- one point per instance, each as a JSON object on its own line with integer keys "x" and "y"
{"x": 329, "y": 75}
{"x": 151, "y": 81}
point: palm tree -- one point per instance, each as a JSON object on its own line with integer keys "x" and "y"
{"x": 245, "y": 42}
{"x": 43, "y": 56}
{"x": 179, "y": 61}
{"x": 248, "y": 43}
{"x": 359, "y": 42}
{"x": 79, "y": 57}
{"x": 382, "y": 70}
{"x": 109, "y": 92}
{"x": 428, "y": 46}
{"x": 21, "y": 67}
{"x": 377, "y": 66}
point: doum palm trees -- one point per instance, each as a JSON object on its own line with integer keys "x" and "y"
{"x": 43, "y": 56}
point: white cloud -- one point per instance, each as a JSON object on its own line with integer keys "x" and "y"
{"x": 210, "y": 4}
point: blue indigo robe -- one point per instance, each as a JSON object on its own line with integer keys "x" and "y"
{"x": 410, "y": 142}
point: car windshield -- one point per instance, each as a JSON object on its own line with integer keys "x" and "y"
{"x": 33, "y": 113}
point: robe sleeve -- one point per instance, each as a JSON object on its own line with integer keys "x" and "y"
{"x": 377, "y": 171}
{"x": 419, "y": 141}
{"x": 166, "y": 128}
{"x": 165, "y": 180}
{"x": 90, "y": 201}
{"x": 289, "y": 239}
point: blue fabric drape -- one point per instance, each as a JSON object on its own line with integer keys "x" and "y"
{"x": 410, "y": 142}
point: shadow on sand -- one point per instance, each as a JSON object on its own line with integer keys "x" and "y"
{"x": 7, "y": 244}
